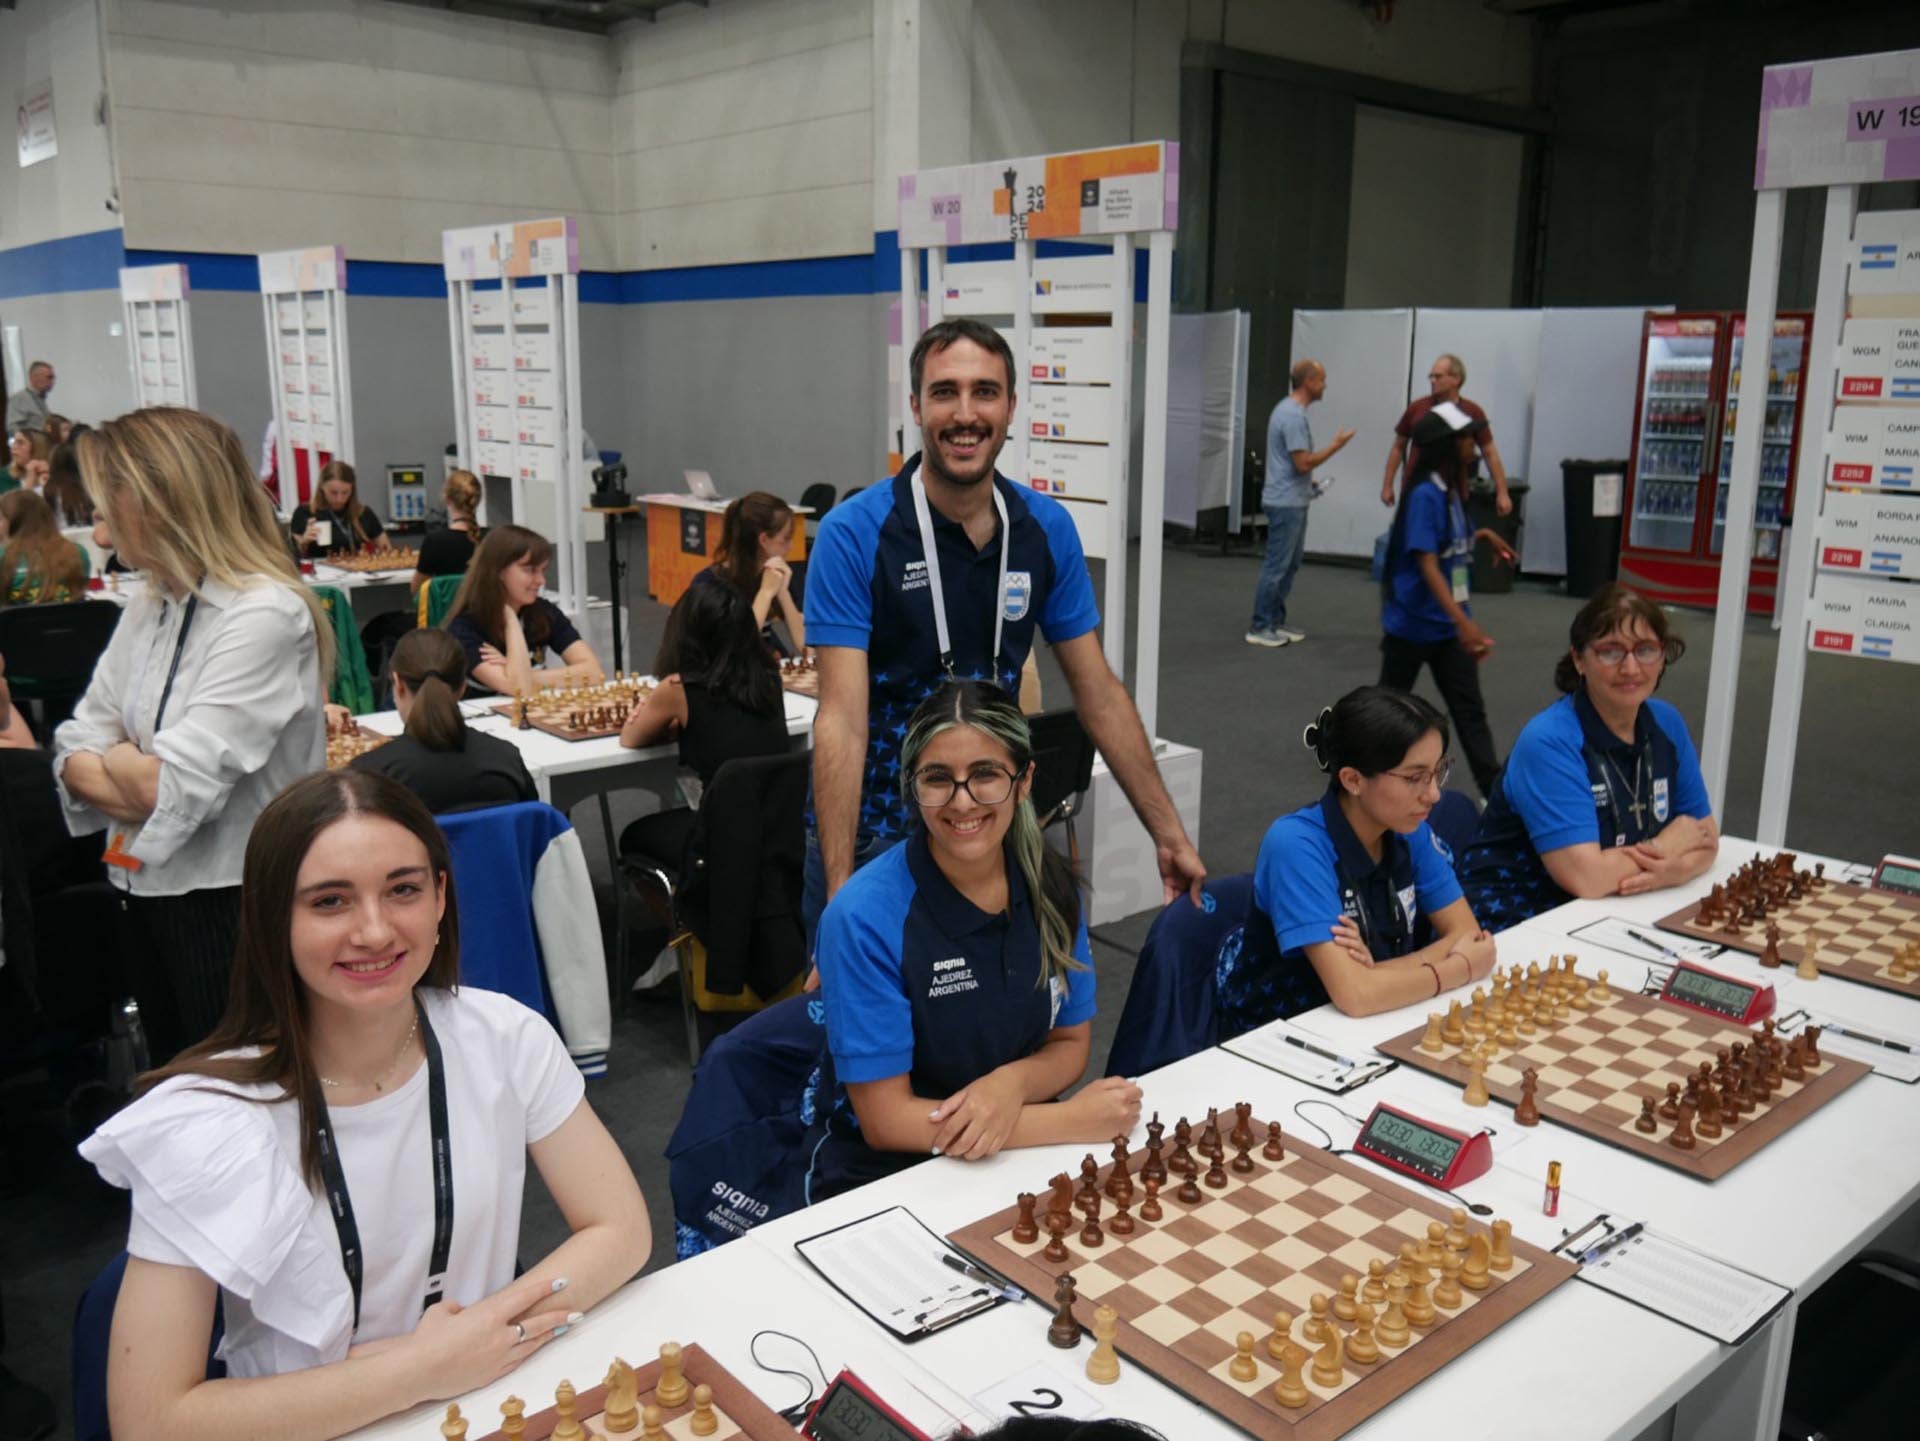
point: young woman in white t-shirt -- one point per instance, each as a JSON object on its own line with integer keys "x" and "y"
{"x": 349, "y": 1075}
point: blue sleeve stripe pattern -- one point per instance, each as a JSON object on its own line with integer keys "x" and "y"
{"x": 840, "y": 569}
{"x": 861, "y": 954}
{"x": 1071, "y": 610}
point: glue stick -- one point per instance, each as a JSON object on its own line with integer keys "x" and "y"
{"x": 1550, "y": 1205}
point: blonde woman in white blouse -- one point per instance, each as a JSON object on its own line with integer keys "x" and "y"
{"x": 206, "y": 703}
{"x": 342, "y": 1161}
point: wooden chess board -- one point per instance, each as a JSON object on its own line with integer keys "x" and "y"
{"x": 1856, "y": 932}
{"x": 800, "y": 677}
{"x": 740, "y": 1413}
{"x": 1595, "y": 1066}
{"x": 583, "y": 714}
{"x": 1185, "y": 1286}
{"x": 343, "y": 747}
{"x": 369, "y": 562}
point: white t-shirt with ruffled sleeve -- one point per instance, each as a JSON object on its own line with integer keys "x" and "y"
{"x": 215, "y": 1174}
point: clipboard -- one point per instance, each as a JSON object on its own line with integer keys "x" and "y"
{"x": 1304, "y": 1057}
{"x": 890, "y": 1266}
{"x": 1687, "y": 1286}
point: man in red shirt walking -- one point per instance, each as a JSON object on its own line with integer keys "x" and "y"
{"x": 1446, "y": 376}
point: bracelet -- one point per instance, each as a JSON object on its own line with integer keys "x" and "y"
{"x": 1436, "y": 976}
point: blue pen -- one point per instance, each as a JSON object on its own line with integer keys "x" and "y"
{"x": 1619, "y": 1238}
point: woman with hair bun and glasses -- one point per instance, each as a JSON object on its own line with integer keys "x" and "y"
{"x": 955, "y": 968}
{"x": 1602, "y": 794}
{"x": 1354, "y": 897}
{"x": 447, "y": 765}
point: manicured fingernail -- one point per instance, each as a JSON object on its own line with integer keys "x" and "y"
{"x": 933, "y": 1150}
{"x": 574, "y": 1318}
{"x": 560, "y": 1330}
{"x": 559, "y": 1283}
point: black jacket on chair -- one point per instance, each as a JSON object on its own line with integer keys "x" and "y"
{"x": 740, "y": 886}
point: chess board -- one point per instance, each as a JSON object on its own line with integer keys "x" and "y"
{"x": 343, "y": 747}
{"x": 584, "y": 714}
{"x": 1185, "y": 1286}
{"x": 801, "y": 679}
{"x": 1856, "y": 933}
{"x": 375, "y": 562}
{"x": 739, "y": 1412}
{"x": 1596, "y": 1065}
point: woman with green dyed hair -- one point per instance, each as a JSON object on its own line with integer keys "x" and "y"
{"x": 955, "y": 970}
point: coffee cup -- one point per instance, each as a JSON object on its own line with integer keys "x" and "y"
{"x": 323, "y": 533}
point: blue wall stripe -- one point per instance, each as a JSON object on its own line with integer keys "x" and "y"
{"x": 92, "y": 262}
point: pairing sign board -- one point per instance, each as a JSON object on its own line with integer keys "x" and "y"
{"x": 1868, "y": 533}
{"x": 1116, "y": 191}
{"x": 303, "y": 299}
{"x": 159, "y": 334}
{"x": 1851, "y": 121}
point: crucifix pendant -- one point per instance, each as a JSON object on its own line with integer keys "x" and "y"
{"x": 1639, "y": 809}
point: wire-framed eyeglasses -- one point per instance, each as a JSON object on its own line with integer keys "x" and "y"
{"x": 1612, "y": 654}
{"x": 1420, "y": 780}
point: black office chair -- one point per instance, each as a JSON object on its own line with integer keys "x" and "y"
{"x": 1854, "y": 1353}
{"x": 1063, "y": 770}
{"x": 50, "y": 652}
{"x": 819, "y": 499}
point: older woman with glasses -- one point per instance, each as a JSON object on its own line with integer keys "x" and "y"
{"x": 1354, "y": 898}
{"x": 1602, "y": 795}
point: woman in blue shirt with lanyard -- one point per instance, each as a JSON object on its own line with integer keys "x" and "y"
{"x": 1354, "y": 898}
{"x": 955, "y": 968}
{"x": 1603, "y": 794}
{"x": 341, "y": 1163}
{"x": 1429, "y": 564}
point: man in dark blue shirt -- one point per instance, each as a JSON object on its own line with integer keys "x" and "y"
{"x": 947, "y": 569}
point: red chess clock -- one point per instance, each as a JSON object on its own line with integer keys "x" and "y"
{"x": 1745, "y": 1003}
{"x": 848, "y": 1410}
{"x": 1435, "y": 1154}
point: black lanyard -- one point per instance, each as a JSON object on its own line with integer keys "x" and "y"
{"x": 341, "y": 1204}
{"x": 179, "y": 649}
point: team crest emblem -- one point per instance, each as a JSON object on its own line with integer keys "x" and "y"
{"x": 1661, "y": 803}
{"x": 1017, "y": 597}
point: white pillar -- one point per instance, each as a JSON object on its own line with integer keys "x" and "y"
{"x": 1153, "y": 474}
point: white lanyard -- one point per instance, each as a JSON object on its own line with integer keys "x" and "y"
{"x": 925, "y": 515}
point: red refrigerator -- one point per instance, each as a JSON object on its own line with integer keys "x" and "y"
{"x": 1683, "y": 425}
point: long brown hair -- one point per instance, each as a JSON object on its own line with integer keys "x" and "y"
{"x": 434, "y": 667}
{"x": 53, "y": 567}
{"x": 462, "y": 494}
{"x": 484, "y": 598}
{"x": 1615, "y": 607}
{"x": 266, "y": 1004}
{"x": 753, "y": 515}
{"x": 64, "y": 490}
{"x": 356, "y": 512}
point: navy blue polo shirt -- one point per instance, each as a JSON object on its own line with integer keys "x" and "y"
{"x": 1436, "y": 523}
{"x": 1312, "y": 870}
{"x": 1570, "y": 781}
{"x": 867, "y": 589}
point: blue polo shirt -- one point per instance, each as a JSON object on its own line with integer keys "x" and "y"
{"x": 1569, "y": 781}
{"x": 1312, "y": 870}
{"x": 919, "y": 980}
{"x": 867, "y": 589}
{"x": 1436, "y": 523}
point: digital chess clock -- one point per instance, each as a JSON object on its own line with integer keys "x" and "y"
{"x": 1898, "y": 874}
{"x": 1427, "y": 1152}
{"x": 1746, "y": 1003}
{"x": 848, "y": 1410}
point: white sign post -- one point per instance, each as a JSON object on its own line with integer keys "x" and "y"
{"x": 159, "y": 335}
{"x": 303, "y": 297}
{"x": 516, "y": 376}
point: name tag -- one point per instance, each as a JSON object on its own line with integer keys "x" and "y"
{"x": 1459, "y": 577}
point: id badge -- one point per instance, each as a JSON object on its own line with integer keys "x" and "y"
{"x": 1459, "y": 572}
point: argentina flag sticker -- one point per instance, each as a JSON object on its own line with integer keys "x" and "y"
{"x": 1660, "y": 801}
{"x": 1018, "y": 594}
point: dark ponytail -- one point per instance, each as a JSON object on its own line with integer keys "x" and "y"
{"x": 434, "y": 667}
{"x": 1371, "y": 729}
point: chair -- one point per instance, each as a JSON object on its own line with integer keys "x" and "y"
{"x": 1170, "y": 1005}
{"x": 1854, "y": 1353}
{"x": 50, "y": 651}
{"x": 92, "y": 1329}
{"x": 352, "y": 684}
{"x": 732, "y": 898}
{"x": 1062, "y": 770}
{"x": 818, "y": 498}
{"x": 436, "y": 598}
{"x": 529, "y": 924}
{"x": 1455, "y": 820}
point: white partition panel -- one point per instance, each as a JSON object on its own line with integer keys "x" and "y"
{"x": 303, "y": 297}
{"x": 1366, "y": 353}
{"x": 1501, "y": 350}
{"x": 159, "y": 324}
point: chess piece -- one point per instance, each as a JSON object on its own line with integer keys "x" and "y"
{"x": 454, "y": 1428}
{"x": 1682, "y": 1137}
{"x": 1362, "y": 1349}
{"x": 1242, "y": 1133}
{"x": 1418, "y": 1307}
{"x": 1328, "y": 1368}
{"x": 1646, "y": 1124}
{"x": 1182, "y": 1162}
{"x": 1314, "y": 1328}
{"x": 1447, "y": 1295}
{"x": 1025, "y": 1229}
{"x": 1770, "y": 953}
{"x": 1453, "y": 1032}
{"x": 652, "y": 1423}
{"x": 1216, "y": 1178}
{"x": 1578, "y": 1000}
{"x": 565, "y": 1427}
{"x": 1812, "y": 1037}
{"x": 1433, "y": 1042}
{"x": 1122, "y": 1223}
{"x": 1670, "y": 1108}
{"x": 1376, "y": 1288}
{"x": 1091, "y": 1236}
{"x": 1243, "y": 1156}
{"x": 1243, "y": 1367}
{"x": 1150, "y": 1208}
{"x": 1600, "y": 993}
{"x": 1289, "y": 1390}
{"x": 1500, "y": 1250}
{"x": 1273, "y": 1150}
{"x": 513, "y": 1418}
{"x": 1527, "y": 1112}
{"x": 1343, "y": 1304}
{"x": 1393, "y": 1330}
{"x": 1064, "y": 1331}
{"x": 1119, "y": 1180}
{"x": 703, "y": 1422}
{"x": 1794, "y": 1068}
{"x": 1282, "y": 1335}
{"x": 1524, "y": 1024}
{"x": 1434, "y": 1247}
{"x": 1473, "y": 1271}
{"x": 1103, "y": 1366}
{"x": 1808, "y": 969}
{"x": 620, "y": 1412}
{"x": 1189, "y": 1191}
{"x": 1155, "y": 1168}
{"x": 1707, "y": 1122}
{"x": 1210, "y": 1137}
{"x": 1476, "y": 1092}
{"x": 1089, "y": 1179}
{"x": 671, "y": 1389}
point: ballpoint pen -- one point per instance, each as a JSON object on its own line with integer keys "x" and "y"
{"x": 1665, "y": 950}
{"x": 979, "y": 1273}
{"x": 1617, "y": 1239}
{"x": 1334, "y": 1056}
{"x": 1900, "y": 1046}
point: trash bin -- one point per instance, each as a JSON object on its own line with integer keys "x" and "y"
{"x": 1593, "y": 493}
{"x": 1490, "y": 576}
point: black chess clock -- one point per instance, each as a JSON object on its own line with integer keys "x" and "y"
{"x": 1746, "y": 1003}
{"x": 1435, "y": 1154}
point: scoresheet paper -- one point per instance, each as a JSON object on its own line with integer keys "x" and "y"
{"x": 888, "y": 1264}
{"x": 1306, "y": 1057}
{"x": 1686, "y": 1286}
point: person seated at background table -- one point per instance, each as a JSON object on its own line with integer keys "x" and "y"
{"x": 1354, "y": 896}
{"x": 718, "y": 692}
{"x": 23, "y": 448}
{"x": 955, "y": 969}
{"x": 507, "y": 627}
{"x": 1602, "y": 794}
{"x": 59, "y": 430}
{"x": 755, "y": 535}
{"x": 449, "y": 550}
{"x": 38, "y": 565}
{"x": 439, "y": 758}
{"x": 64, "y": 490}
{"x": 290, "y": 1164}
{"x": 351, "y": 524}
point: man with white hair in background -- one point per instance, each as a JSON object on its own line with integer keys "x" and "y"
{"x": 27, "y": 407}
{"x": 1445, "y": 377}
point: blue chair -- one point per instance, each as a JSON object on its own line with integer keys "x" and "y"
{"x": 1170, "y": 1005}
{"x": 1455, "y": 820}
{"x": 92, "y": 1332}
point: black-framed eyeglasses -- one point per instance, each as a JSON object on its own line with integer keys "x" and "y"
{"x": 987, "y": 785}
{"x": 1647, "y": 653}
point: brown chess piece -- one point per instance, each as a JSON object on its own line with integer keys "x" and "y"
{"x": 1120, "y": 1180}
{"x": 1122, "y": 1224}
{"x": 1770, "y": 954}
{"x": 1091, "y": 1236}
{"x": 1242, "y": 1133}
{"x": 1150, "y": 1208}
{"x": 1707, "y": 1124}
{"x": 1670, "y": 1108}
{"x": 1155, "y": 1168}
{"x": 1216, "y": 1178}
{"x": 1089, "y": 1179}
{"x": 1064, "y": 1331}
{"x": 1682, "y": 1137}
{"x": 1025, "y": 1228}
{"x": 1812, "y": 1059}
{"x": 1243, "y": 1158}
{"x": 1189, "y": 1191}
{"x": 1273, "y": 1150}
{"x": 1646, "y": 1123}
{"x": 1527, "y": 1112}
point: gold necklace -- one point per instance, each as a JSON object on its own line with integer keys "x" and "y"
{"x": 398, "y": 1056}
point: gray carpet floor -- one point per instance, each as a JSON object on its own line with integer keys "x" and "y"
{"x": 1243, "y": 707}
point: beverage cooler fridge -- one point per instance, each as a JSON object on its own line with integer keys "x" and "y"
{"x": 1683, "y": 427}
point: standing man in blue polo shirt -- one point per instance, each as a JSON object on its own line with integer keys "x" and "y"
{"x": 947, "y": 570}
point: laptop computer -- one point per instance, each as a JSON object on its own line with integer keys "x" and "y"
{"x": 700, "y": 485}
